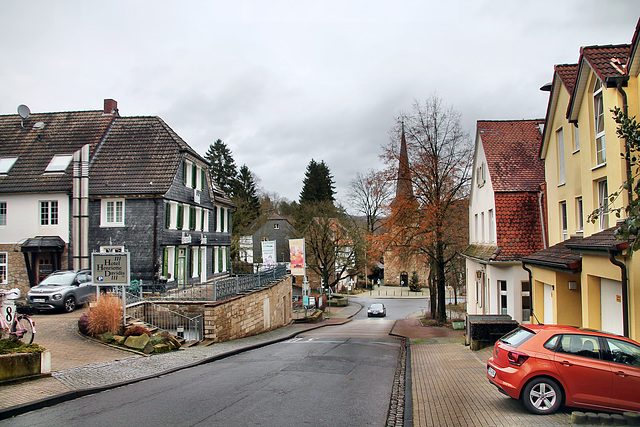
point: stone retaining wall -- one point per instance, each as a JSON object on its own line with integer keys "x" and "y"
{"x": 244, "y": 315}
{"x": 249, "y": 314}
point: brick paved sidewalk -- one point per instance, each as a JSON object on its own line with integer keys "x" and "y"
{"x": 450, "y": 388}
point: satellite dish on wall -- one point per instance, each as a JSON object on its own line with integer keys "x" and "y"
{"x": 24, "y": 112}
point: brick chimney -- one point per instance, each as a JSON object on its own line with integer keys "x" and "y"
{"x": 110, "y": 106}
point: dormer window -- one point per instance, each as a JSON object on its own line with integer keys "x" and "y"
{"x": 59, "y": 163}
{"x": 276, "y": 226}
{"x": 6, "y": 163}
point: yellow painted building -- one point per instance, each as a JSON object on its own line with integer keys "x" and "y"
{"x": 586, "y": 277}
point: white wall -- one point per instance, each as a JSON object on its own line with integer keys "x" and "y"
{"x": 23, "y": 217}
{"x": 481, "y": 200}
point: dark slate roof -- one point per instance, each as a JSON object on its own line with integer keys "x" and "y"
{"x": 557, "y": 257}
{"x": 141, "y": 155}
{"x": 599, "y": 242}
{"x": 518, "y": 227}
{"x": 60, "y": 133}
{"x": 511, "y": 148}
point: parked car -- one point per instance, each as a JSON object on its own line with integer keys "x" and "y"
{"x": 62, "y": 290}
{"x": 547, "y": 366}
{"x": 377, "y": 309}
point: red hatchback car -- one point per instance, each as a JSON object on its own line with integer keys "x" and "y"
{"x": 547, "y": 366}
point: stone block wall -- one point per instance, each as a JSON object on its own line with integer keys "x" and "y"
{"x": 249, "y": 314}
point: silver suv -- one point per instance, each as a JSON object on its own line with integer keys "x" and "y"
{"x": 63, "y": 290}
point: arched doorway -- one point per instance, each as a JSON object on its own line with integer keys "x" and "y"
{"x": 404, "y": 279}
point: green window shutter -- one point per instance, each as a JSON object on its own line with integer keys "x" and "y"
{"x": 203, "y": 184}
{"x": 187, "y": 261}
{"x": 215, "y": 218}
{"x": 229, "y": 221}
{"x": 168, "y": 221}
{"x": 194, "y": 175}
{"x": 175, "y": 263}
{"x": 165, "y": 262}
{"x": 220, "y": 258}
{"x": 202, "y": 220}
{"x": 192, "y": 217}
{"x": 199, "y": 261}
{"x": 184, "y": 172}
{"x": 180, "y": 217}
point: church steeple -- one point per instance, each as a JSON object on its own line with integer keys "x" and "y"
{"x": 404, "y": 189}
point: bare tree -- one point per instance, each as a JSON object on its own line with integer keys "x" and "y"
{"x": 369, "y": 194}
{"x": 432, "y": 222}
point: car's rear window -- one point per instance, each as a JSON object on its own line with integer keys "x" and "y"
{"x": 516, "y": 337}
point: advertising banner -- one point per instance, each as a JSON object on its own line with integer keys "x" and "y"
{"x": 296, "y": 251}
{"x": 269, "y": 253}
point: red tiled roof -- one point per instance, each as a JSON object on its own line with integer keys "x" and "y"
{"x": 59, "y": 133}
{"x": 634, "y": 56}
{"x": 518, "y": 228}
{"x": 567, "y": 74}
{"x": 511, "y": 148}
{"x": 607, "y": 61}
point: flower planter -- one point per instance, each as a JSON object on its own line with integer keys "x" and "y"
{"x": 21, "y": 365}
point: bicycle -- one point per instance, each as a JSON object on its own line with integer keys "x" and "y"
{"x": 13, "y": 324}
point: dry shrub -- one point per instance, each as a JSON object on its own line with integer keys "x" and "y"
{"x": 136, "y": 330}
{"x": 106, "y": 315}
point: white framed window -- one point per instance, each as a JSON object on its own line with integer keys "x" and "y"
{"x": 563, "y": 220}
{"x": 491, "y": 223}
{"x": 4, "y": 268}
{"x": 112, "y": 213}
{"x": 205, "y": 225}
{"x": 502, "y": 285}
{"x": 561, "y": 171}
{"x": 6, "y": 163}
{"x": 526, "y": 301}
{"x": 112, "y": 248}
{"x": 475, "y": 228}
{"x": 576, "y": 138}
{"x": 603, "y": 204}
{"x": 3, "y": 214}
{"x": 59, "y": 163}
{"x": 482, "y": 226}
{"x": 48, "y": 212}
{"x": 598, "y": 113}
{"x": 579, "y": 213}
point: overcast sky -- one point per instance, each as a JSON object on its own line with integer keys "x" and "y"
{"x": 282, "y": 82}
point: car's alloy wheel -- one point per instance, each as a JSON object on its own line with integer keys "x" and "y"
{"x": 69, "y": 304}
{"x": 542, "y": 396}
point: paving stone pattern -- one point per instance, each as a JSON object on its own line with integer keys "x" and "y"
{"x": 450, "y": 388}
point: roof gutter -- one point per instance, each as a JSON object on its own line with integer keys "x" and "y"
{"x": 625, "y": 291}
{"x": 528, "y": 270}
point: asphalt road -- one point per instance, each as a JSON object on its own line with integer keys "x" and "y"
{"x": 339, "y": 375}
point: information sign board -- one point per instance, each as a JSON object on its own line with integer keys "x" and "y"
{"x": 112, "y": 268}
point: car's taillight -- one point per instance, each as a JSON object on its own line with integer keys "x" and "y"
{"x": 517, "y": 358}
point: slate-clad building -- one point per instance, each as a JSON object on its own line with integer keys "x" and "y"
{"x": 78, "y": 182}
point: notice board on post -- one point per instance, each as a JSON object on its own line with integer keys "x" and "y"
{"x": 111, "y": 268}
